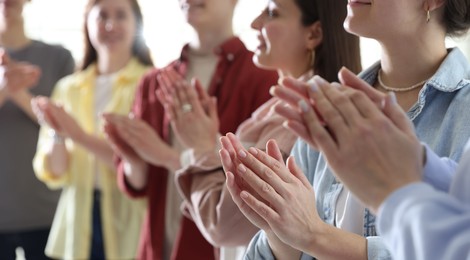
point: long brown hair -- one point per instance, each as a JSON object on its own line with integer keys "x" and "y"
{"x": 338, "y": 47}
{"x": 139, "y": 48}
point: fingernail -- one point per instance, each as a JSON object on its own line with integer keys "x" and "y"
{"x": 241, "y": 168}
{"x": 319, "y": 80}
{"x": 393, "y": 97}
{"x": 271, "y": 90}
{"x": 336, "y": 85}
{"x": 303, "y": 105}
{"x": 313, "y": 86}
{"x": 242, "y": 154}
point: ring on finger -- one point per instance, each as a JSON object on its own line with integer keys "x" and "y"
{"x": 186, "y": 108}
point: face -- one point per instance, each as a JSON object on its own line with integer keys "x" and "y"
{"x": 283, "y": 40}
{"x": 381, "y": 19}
{"x": 207, "y": 13}
{"x": 112, "y": 26}
{"x": 12, "y": 9}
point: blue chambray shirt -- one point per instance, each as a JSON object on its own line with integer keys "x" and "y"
{"x": 442, "y": 121}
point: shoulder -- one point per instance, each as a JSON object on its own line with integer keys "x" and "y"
{"x": 50, "y": 49}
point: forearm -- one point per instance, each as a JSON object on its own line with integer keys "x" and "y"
{"x": 58, "y": 159}
{"x": 22, "y": 99}
{"x": 212, "y": 208}
{"x": 333, "y": 243}
{"x": 99, "y": 147}
{"x": 136, "y": 174}
{"x": 281, "y": 250}
{"x": 418, "y": 222}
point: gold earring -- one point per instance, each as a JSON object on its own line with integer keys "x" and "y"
{"x": 428, "y": 16}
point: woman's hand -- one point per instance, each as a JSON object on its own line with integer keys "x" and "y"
{"x": 134, "y": 137}
{"x": 371, "y": 146}
{"x": 284, "y": 195}
{"x": 296, "y": 95}
{"x": 17, "y": 76}
{"x": 57, "y": 118}
{"x": 229, "y": 154}
{"x": 193, "y": 113}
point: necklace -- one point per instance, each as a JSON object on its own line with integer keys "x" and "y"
{"x": 398, "y": 89}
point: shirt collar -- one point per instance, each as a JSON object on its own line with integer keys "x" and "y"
{"x": 126, "y": 74}
{"x": 228, "y": 50}
{"x": 448, "y": 77}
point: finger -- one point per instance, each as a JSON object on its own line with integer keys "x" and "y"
{"x": 272, "y": 149}
{"x": 297, "y": 172}
{"x": 227, "y": 145}
{"x": 339, "y": 98}
{"x": 270, "y": 169}
{"x": 263, "y": 210}
{"x": 318, "y": 134}
{"x": 364, "y": 105}
{"x": 287, "y": 95}
{"x": 263, "y": 188}
{"x": 348, "y": 78}
{"x": 212, "y": 109}
{"x": 201, "y": 92}
{"x": 181, "y": 89}
{"x": 296, "y": 85}
{"x": 325, "y": 107}
{"x": 301, "y": 131}
{"x": 226, "y": 160}
{"x": 235, "y": 191}
{"x": 192, "y": 98}
{"x": 288, "y": 112}
{"x": 393, "y": 111}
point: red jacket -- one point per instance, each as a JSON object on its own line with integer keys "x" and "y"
{"x": 240, "y": 88}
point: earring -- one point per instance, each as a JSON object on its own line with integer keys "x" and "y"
{"x": 311, "y": 58}
{"x": 428, "y": 16}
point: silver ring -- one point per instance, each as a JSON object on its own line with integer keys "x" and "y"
{"x": 186, "y": 108}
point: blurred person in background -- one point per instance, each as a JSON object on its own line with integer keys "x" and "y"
{"x": 149, "y": 150}
{"x": 27, "y": 68}
{"x": 94, "y": 220}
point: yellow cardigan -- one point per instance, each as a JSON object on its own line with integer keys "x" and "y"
{"x": 71, "y": 231}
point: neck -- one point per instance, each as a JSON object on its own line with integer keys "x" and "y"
{"x": 12, "y": 35}
{"x": 207, "y": 40}
{"x": 109, "y": 63}
{"x": 405, "y": 63}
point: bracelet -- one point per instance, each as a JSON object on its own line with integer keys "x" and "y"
{"x": 57, "y": 139}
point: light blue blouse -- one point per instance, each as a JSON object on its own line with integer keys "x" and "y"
{"x": 440, "y": 121}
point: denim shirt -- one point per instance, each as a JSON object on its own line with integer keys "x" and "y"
{"x": 440, "y": 121}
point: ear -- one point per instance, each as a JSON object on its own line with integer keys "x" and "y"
{"x": 432, "y": 5}
{"x": 314, "y": 35}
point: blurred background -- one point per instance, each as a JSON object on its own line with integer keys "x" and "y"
{"x": 166, "y": 31}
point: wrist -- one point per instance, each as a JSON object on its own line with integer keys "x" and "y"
{"x": 57, "y": 138}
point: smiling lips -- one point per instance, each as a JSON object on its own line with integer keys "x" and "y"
{"x": 359, "y": 2}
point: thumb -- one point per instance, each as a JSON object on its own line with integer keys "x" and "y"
{"x": 4, "y": 58}
{"x": 212, "y": 109}
{"x": 350, "y": 79}
{"x": 295, "y": 170}
{"x": 399, "y": 118}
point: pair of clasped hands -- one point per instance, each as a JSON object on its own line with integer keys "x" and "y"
{"x": 193, "y": 117}
{"x": 16, "y": 78}
{"x": 366, "y": 137}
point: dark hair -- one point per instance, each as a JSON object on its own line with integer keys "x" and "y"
{"x": 139, "y": 48}
{"x": 456, "y": 17}
{"x": 338, "y": 47}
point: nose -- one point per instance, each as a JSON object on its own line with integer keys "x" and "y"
{"x": 256, "y": 23}
{"x": 109, "y": 25}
